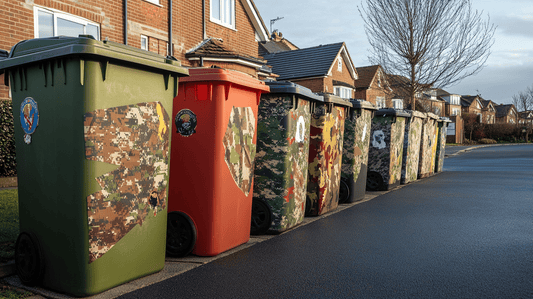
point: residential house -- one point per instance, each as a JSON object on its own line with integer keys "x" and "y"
{"x": 202, "y": 32}
{"x": 276, "y": 43}
{"x": 452, "y": 102}
{"x": 430, "y": 102}
{"x": 506, "y": 114}
{"x": 526, "y": 118}
{"x": 488, "y": 113}
{"x": 472, "y": 105}
{"x": 325, "y": 68}
{"x": 372, "y": 86}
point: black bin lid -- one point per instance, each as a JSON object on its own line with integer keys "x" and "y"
{"x": 391, "y": 112}
{"x": 362, "y": 104}
{"x": 331, "y": 98}
{"x": 286, "y": 87}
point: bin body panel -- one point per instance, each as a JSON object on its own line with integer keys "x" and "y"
{"x": 280, "y": 175}
{"x": 411, "y": 154}
{"x": 325, "y": 159}
{"x": 355, "y": 153}
{"x": 386, "y": 149}
{"x": 441, "y": 146}
{"x": 211, "y": 177}
{"x": 65, "y": 192}
{"x": 427, "y": 145}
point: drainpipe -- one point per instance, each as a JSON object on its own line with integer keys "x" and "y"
{"x": 203, "y": 20}
{"x": 170, "y": 48}
{"x": 125, "y": 22}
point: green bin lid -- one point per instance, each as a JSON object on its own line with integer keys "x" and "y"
{"x": 330, "y": 98}
{"x": 287, "y": 87}
{"x": 391, "y": 112}
{"x": 362, "y": 104}
{"x": 85, "y": 46}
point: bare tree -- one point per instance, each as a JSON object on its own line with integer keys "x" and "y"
{"x": 433, "y": 43}
{"x": 523, "y": 101}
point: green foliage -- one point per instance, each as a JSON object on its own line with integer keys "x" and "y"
{"x": 12, "y": 293}
{"x": 7, "y": 140}
{"x": 487, "y": 141}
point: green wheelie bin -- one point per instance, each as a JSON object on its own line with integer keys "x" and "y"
{"x": 386, "y": 149}
{"x": 92, "y": 130}
{"x": 281, "y": 162}
{"x": 355, "y": 151}
{"x": 411, "y": 146}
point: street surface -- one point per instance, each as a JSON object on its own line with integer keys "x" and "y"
{"x": 464, "y": 233}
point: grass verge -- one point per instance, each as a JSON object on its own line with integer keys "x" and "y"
{"x": 9, "y": 223}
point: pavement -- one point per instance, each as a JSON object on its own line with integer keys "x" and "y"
{"x": 177, "y": 266}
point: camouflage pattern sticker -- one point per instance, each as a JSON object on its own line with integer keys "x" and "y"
{"x": 426, "y": 147}
{"x": 356, "y": 142}
{"x": 280, "y": 175}
{"x": 386, "y": 149}
{"x": 441, "y": 144}
{"x": 239, "y": 147}
{"x": 411, "y": 149}
{"x": 136, "y": 138}
{"x": 325, "y": 160}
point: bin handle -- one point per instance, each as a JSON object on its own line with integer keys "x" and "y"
{"x": 227, "y": 87}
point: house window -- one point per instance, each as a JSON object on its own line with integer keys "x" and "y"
{"x": 153, "y": 1}
{"x": 339, "y": 64}
{"x": 380, "y": 102}
{"x": 343, "y": 92}
{"x": 223, "y": 12}
{"x": 48, "y": 23}
{"x": 144, "y": 42}
{"x": 397, "y": 103}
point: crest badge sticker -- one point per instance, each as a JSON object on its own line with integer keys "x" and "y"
{"x": 186, "y": 122}
{"x": 29, "y": 118}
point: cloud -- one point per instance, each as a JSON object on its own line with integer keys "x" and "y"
{"x": 515, "y": 25}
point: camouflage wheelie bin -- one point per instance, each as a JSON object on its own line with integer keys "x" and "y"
{"x": 211, "y": 173}
{"x": 355, "y": 151}
{"x": 428, "y": 146}
{"x": 92, "y": 131}
{"x": 325, "y": 154}
{"x": 442, "y": 125}
{"x": 281, "y": 162}
{"x": 411, "y": 146}
{"x": 386, "y": 149}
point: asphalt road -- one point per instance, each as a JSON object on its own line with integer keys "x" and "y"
{"x": 464, "y": 233}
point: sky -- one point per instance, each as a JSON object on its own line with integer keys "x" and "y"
{"x": 508, "y": 70}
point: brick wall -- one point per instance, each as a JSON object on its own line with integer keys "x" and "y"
{"x": 316, "y": 85}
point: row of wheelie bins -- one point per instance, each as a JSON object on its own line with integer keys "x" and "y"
{"x": 125, "y": 156}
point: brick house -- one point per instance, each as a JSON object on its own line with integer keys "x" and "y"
{"x": 506, "y": 114}
{"x": 472, "y": 105}
{"x": 430, "y": 102}
{"x": 203, "y": 32}
{"x": 488, "y": 113}
{"x": 277, "y": 43}
{"x": 373, "y": 86}
{"x": 526, "y": 118}
{"x": 326, "y": 68}
{"x": 452, "y": 102}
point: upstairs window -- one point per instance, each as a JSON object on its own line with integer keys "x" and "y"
{"x": 343, "y": 92}
{"x": 397, "y": 103}
{"x": 223, "y": 12}
{"x": 339, "y": 64}
{"x": 144, "y": 42}
{"x": 380, "y": 102}
{"x": 49, "y": 23}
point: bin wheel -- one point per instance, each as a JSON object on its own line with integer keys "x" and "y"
{"x": 261, "y": 217}
{"x": 374, "y": 181}
{"x": 181, "y": 234}
{"x": 307, "y": 206}
{"x": 29, "y": 262}
{"x": 344, "y": 193}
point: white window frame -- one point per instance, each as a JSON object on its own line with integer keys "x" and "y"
{"x": 343, "y": 92}
{"x": 223, "y": 11}
{"x": 397, "y": 104}
{"x": 380, "y": 102}
{"x": 156, "y": 2}
{"x": 57, "y": 13}
{"x": 144, "y": 37}
{"x": 339, "y": 64}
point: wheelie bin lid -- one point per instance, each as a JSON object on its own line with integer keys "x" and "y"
{"x": 391, "y": 112}
{"x": 445, "y": 119}
{"x": 331, "y": 98}
{"x": 432, "y": 115}
{"x": 224, "y": 75}
{"x": 362, "y": 104}
{"x": 287, "y": 87}
{"x": 415, "y": 113}
{"x": 86, "y": 47}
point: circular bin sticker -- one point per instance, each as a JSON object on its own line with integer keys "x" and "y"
{"x": 186, "y": 122}
{"x": 29, "y": 118}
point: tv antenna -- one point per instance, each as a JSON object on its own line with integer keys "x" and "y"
{"x": 274, "y": 21}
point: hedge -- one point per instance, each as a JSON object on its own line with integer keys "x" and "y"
{"x": 7, "y": 140}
